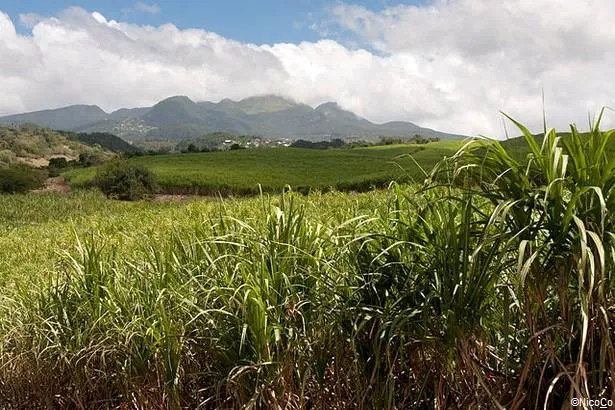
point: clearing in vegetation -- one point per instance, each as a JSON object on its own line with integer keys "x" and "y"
{"x": 494, "y": 290}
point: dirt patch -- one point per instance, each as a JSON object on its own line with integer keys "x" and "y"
{"x": 34, "y": 162}
{"x": 42, "y": 162}
{"x": 56, "y": 184}
{"x": 66, "y": 157}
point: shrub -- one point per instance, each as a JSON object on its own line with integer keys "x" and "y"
{"x": 7, "y": 156}
{"x": 125, "y": 181}
{"x": 89, "y": 160}
{"x": 20, "y": 178}
{"x": 389, "y": 141}
{"x": 58, "y": 162}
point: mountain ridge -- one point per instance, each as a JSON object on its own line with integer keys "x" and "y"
{"x": 179, "y": 117}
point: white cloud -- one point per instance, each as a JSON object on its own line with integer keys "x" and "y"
{"x": 482, "y": 56}
{"x": 450, "y": 65}
{"x": 147, "y": 8}
{"x": 30, "y": 20}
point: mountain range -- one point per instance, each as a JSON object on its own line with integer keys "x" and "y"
{"x": 179, "y": 117}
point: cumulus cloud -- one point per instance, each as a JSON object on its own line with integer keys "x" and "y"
{"x": 450, "y": 65}
{"x": 482, "y": 56}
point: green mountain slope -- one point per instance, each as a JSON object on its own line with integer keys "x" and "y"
{"x": 107, "y": 141}
{"x": 67, "y": 119}
{"x": 179, "y": 118}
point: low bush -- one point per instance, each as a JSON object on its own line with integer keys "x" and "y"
{"x": 56, "y": 165}
{"x": 58, "y": 162}
{"x": 20, "y": 178}
{"x": 125, "y": 181}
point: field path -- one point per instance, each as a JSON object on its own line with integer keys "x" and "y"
{"x": 55, "y": 184}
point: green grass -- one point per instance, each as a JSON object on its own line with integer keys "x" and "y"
{"x": 494, "y": 291}
{"x": 303, "y": 169}
{"x": 36, "y": 230}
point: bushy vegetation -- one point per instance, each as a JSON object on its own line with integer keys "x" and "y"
{"x": 29, "y": 142}
{"x": 20, "y": 178}
{"x": 334, "y": 143}
{"x": 340, "y": 143}
{"x": 211, "y": 142}
{"x": 494, "y": 290}
{"x": 415, "y": 139}
{"x": 125, "y": 181}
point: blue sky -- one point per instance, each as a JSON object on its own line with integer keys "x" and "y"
{"x": 254, "y": 21}
{"x": 451, "y": 65}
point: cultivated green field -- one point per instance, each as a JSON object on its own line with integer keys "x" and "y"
{"x": 242, "y": 171}
{"x": 495, "y": 291}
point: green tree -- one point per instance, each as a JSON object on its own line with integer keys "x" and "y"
{"x": 125, "y": 181}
